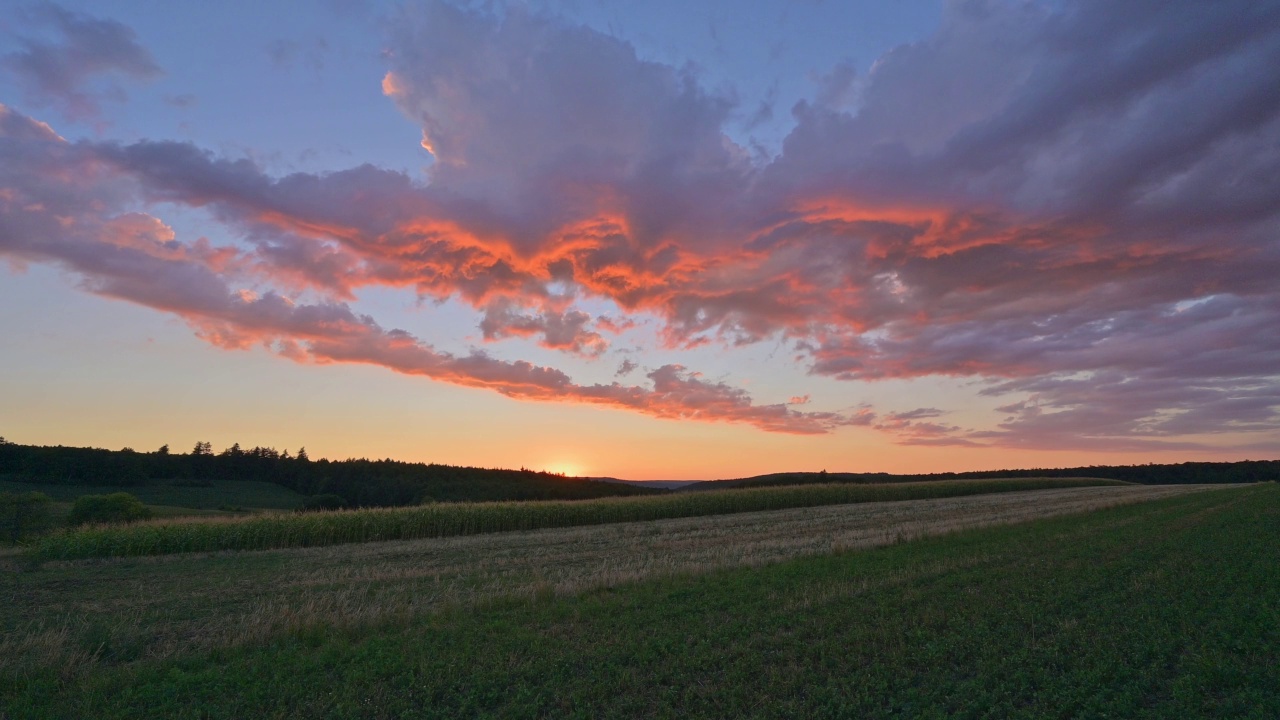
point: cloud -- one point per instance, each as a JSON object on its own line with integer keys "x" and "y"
{"x": 56, "y": 208}
{"x": 70, "y": 73}
{"x": 682, "y": 394}
{"x": 1107, "y": 227}
{"x": 838, "y": 89}
{"x": 626, "y": 368}
{"x": 910, "y": 428}
{"x": 1074, "y": 208}
{"x": 558, "y": 330}
{"x": 551, "y": 124}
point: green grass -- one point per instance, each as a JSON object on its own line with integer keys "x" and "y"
{"x": 452, "y": 519}
{"x": 217, "y": 498}
{"x": 217, "y": 494}
{"x": 1167, "y": 609}
{"x": 60, "y": 511}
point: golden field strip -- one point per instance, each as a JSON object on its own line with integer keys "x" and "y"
{"x": 71, "y": 615}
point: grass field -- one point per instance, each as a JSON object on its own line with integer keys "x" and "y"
{"x": 212, "y": 496}
{"x": 218, "y": 498}
{"x": 1167, "y": 608}
{"x": 451, "y": 519}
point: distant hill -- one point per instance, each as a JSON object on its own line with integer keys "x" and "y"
{"x": 659, "y": 484}
{"x": 1245, "y": 471}
{"x": 791, "y": 478}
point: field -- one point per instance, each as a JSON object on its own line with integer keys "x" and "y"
{"x": 1163, "y": 608}
{"x": 450, "y": 519}
{"x": 214, "y": 498}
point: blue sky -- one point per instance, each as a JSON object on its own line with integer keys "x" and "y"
{"x": 651, "y": 240}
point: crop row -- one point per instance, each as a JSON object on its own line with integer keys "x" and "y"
{"x": 292, "y": 530}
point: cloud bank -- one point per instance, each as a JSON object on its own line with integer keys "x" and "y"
{"x": 1078, "y": 209}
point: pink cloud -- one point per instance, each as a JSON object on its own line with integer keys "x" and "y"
{"x": 567, "y": 331}
{"x": 135, "y": 257}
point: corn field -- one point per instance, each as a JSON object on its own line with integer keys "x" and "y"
{"x": 292, "y": 530}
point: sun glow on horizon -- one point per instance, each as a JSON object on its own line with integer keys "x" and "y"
{"x": 566, "y": 468}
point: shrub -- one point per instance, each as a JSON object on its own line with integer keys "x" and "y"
{"x": 24, "y": 514}
{"x": 114, "y": 508}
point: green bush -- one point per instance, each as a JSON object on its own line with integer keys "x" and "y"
{"x": 24, "y": 514}
{"x": 114, "y": 508}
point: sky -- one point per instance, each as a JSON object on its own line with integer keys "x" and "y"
{"x": 649, "y": 240}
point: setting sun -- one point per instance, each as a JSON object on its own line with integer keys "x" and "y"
{"x": 568, "y": 469}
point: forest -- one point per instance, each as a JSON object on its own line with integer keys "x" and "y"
{"x": 360, "y": 482}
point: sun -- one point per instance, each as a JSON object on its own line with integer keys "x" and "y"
{"x": 568, "y": 469}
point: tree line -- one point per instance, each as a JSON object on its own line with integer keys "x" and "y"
{"x": 360, "y": 482}
{"x": 1244, "y": 471}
